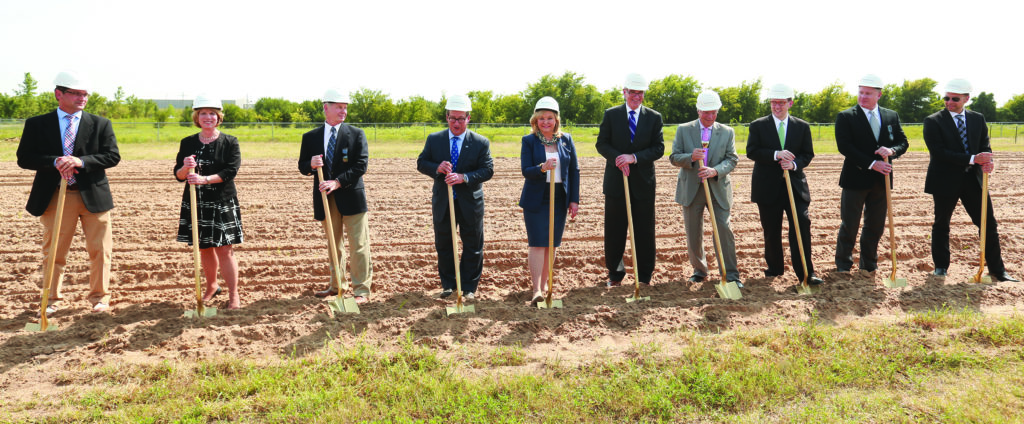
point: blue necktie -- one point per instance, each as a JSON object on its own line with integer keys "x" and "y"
{"x": 632, "y": 125}
{"x": 455, "y": 152}
{"x": 963, "y": 132}
{"x": 331, "y": 145}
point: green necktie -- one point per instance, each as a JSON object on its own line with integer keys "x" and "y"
{"x": 782, "y": 134}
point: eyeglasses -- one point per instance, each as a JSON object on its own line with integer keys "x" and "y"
{"x": 459, "y": 120}
{"x": 947, "y": 98}
{"x": 634, "y": 93}
{"x": 76, "y": 93}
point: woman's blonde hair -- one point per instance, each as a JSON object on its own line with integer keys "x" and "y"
{"x": 536, "y": 115}
{"x": 195, "y": 116}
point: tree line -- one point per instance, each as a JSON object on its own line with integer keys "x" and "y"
{"x": 581, "y": 103}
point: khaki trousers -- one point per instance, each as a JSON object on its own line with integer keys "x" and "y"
{"x": 358, "y": 231}
{"x": 99, "y": 243}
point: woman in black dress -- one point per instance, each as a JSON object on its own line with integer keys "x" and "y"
{"x": 547, "y": 153}
{"x": 215, "y": 157}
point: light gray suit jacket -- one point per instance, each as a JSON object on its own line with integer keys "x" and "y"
{"x": 721, "y": 156}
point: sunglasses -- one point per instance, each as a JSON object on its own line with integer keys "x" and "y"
{"x": 947, "y": 98}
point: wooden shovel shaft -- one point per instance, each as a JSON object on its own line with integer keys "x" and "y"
{"x": 52, "y": 261}
{"x": 714, "y": 230}
{"x": 984, "y": 224}
{"x": 632, "y": 242}
{"x": 796, "y": 225}
{"x": 332, "y": 244}
{"x": 551, "y": 237}
{"x": 193, "y": 206}
{"x": 892, "y": 225}
{"x": 455, "y": 248}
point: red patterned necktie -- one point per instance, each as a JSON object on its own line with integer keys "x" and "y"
{"x": 69, "y": 141}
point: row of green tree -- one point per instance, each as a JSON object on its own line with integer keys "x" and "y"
{"x": 581, "y": 103}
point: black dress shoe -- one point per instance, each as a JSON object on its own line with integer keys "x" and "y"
{"x": 446, "y": 292}
{"x": 771, "y": 273}
{"x": 738, "y": 283}
{"x": 814, "y": 281}
{"x": 940, "y": 272}
{"x": 696, "y": 278}
{"x": 612, "y": 283}
{"x": 1003, "y": 277}
{"x": 330, "y": 291}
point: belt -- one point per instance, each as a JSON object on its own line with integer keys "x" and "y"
{"x": 73, "y": 187}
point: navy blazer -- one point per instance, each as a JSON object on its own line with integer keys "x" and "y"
{"x": 949, "y": 161}
{"x": 42, "y": 143}
{"x": 856, "y": 142}
{"x": 474, "y": 161}
{"x": 766, "y": 180}
{"x": 532, "y": 156}
{"x": 648, "y": 145}
{"x": 350, "y": 198}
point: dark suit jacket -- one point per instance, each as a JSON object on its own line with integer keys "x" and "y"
{"x": 648, "y": 145}
{"x": 857, "y": 144}
{"x": 474, "y": 161}
{"x": 767, "y": 183}
{"x": 948, "y": 159}
{"x": 227, "y": 158}
{"x": 351, "y": 196}
{"x": 95, "y": 144}
{"x": 532, "y": 156}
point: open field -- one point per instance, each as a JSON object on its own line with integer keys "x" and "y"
{"x": 854, "y": 352}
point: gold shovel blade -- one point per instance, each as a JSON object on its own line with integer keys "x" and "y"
{"x": 637, "y": 299}
{"x": 729, "y": 291}
{"x": 37, "y": 327}
{"x": 894, "y": 284}
{"x": 345, "y": 305}
{"x": 807, "y": 289}
{"x": 460, "y": 309}
{"x": 983, "y": 280}
{"x": 555, "y": 304}
{"x": 207, "y": 313}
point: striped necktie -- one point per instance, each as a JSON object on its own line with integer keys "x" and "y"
{"x": 960, "y": 126}
{"x": 69, "y": 141}
{"x": 632, "y": 125}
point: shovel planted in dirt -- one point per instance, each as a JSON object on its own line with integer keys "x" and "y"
{"x": 550, "y": 303}
{"x": 803, "y": 288}
{"x": 44, "y": 323}
{"x": 891, "y": 281}
{"x": 460, "y": 307}
{"x": 201, "y": 310}
{"x": 632, "y": 245}
{"x": 726, "y": 289}
{"x": 340, "y": 303}
{"x": 978, "y": 278}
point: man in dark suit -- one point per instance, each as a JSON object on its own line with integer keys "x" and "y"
{"x": 630, "y": 139}
{"x": 866, "y": 134}
{"x": 960, "y": 152}
{"x": 77, "y": 146}
{"x": 461, "y": 159}
{"x": 778, "y": 143}
{"x": 344, "y": 164}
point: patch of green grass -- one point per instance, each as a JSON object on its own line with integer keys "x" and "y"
{"x": 941, "y": 366}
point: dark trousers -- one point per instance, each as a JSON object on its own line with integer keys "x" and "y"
{"x": 970, "y": 196}
{"x": 873, "y": 205}
{"x": 471, "y": 264}
{"x": 771, "y": 223}
{"x": 616, "y": 233}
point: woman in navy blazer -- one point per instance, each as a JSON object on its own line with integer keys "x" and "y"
{"x": 545, "y": 149}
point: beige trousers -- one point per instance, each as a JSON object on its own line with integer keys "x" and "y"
{"x": 99, "y": 243}
{"x": 358, "y": 231}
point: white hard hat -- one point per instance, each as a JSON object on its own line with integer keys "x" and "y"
{"x": 708, "y": 100}
{"x": 205, "y": 101}
{"x": 636, "y": 82}
{"x": 459, "y": 102}
{"x": 336, "y": 96}
{"x": 70, "y": 79}
{"x": 780, "y": 91}
{"x": 871, "y": 80}
{"x": 546, "y": 103}
{"x": 959, "y": 86}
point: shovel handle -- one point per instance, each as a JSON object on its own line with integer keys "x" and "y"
{"x": 796, "y": 225}
{"x": 194, "y": 214}
{"x": 331, "y": 242}
{"x": 892, "y": 225}
{"x": 455, "y": 247}
{"x": 632, "y": 242}
{"x": 714, "y": 230}
{"x": 52, "y": 261}
{"x": 984, "y": 224}
{"x": 551, "y": 237}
